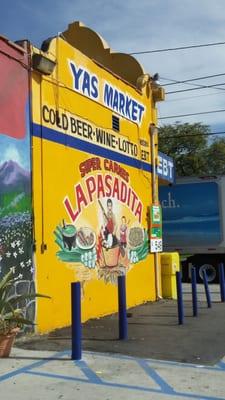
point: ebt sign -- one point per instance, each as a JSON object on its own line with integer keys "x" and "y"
{"x": 90, "y": 85}
{"x": 165, "y": 167}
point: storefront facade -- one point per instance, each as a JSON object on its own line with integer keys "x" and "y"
{"x": 92, "y": 177}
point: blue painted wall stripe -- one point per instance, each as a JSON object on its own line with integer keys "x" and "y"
{"x": 91, "y": 148}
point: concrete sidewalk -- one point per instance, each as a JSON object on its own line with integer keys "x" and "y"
{"x": 160, "y": 360}
{"x": 36, "y": 375}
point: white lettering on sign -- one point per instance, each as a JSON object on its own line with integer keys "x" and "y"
{"x": 169, "y": 202}
{"x": 88, "y": 84}
{"x": 122, "y": 103}
{"x": 84, "y": 82}
{"x": 165, "y": 167}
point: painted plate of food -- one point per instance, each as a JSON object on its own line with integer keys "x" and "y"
{"x": 86, "y": 238}
{"x": 135, "y": 237}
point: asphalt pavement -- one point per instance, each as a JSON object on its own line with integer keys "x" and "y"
{"x": 153, "y": 332}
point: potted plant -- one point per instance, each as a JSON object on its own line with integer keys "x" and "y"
{"x": 12, "y": 318}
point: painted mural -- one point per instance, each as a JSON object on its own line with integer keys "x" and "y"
{"x": 15, "y": 181}
{"x": 111, "y": 240}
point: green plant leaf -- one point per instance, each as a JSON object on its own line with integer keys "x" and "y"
{"x": 6, "y": 284}
{"x": 31, "y": 296}
{"x": 20, "y": 320}
{"x": 10, "y": 315}
{"x": 5, "y": 279}
{"x": 4, "y": 305}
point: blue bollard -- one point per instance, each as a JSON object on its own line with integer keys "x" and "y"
{"x": 207, "y": 292}
{"x": 76, "y": 320}
{"x": 180, "y": 305}
{"x": 122, "y": 308}
{"x": 222, "y": 283}
{"x": 194, "y": 292}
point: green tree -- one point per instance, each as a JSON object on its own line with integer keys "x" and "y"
{"x": 216, "y": 157}
{"x": 187, "y": 144}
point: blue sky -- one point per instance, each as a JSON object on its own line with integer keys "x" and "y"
{"x": 137, "y": 26}
{"x": 17, "y": 150}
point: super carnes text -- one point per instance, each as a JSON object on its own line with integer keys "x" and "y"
{"x": 84, "y": 130}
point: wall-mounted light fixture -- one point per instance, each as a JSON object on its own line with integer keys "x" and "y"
{"x": 43, "y": 64}
{"x": 142, "y": 81}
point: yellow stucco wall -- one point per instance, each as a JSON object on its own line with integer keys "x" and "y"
{"x": 58, "y": 164}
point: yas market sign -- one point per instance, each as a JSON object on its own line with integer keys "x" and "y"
{"x": 88, "y": 84}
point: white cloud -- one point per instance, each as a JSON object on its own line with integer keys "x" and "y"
{"x": 154, "y": 24}
{"x": 11, "y": 153}
{"x": 136, "y": 26}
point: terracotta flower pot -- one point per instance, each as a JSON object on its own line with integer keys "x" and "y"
{"x": 111, "y": 256}
{"x": 6, "y": 342}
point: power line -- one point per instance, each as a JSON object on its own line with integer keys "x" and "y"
{"x": 187, "y": 82}
{"x": 199, "y": 87}
{"x": 192, "y": 135}
{"x": 194, "y": 97}
{"x": 189, "y": 115}
{"x": 175, "y": 82}
{"x": 178, "y": 48}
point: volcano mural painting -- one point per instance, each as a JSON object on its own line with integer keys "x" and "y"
{"x": 15, "y": 180}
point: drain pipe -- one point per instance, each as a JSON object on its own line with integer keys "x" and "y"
{"x": 153, "y": 130}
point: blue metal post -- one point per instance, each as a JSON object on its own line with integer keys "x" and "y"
{"x": 222, "y": 283}
{"x": 76, "y": 320}
{"x": 122, "y": 308}
{"x": 207, "y": 292}
{"x": 194, "y": 292}
{"x": 179, "y": 298}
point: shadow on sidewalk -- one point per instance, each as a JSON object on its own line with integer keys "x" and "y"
{"x": 153, "y": 333}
